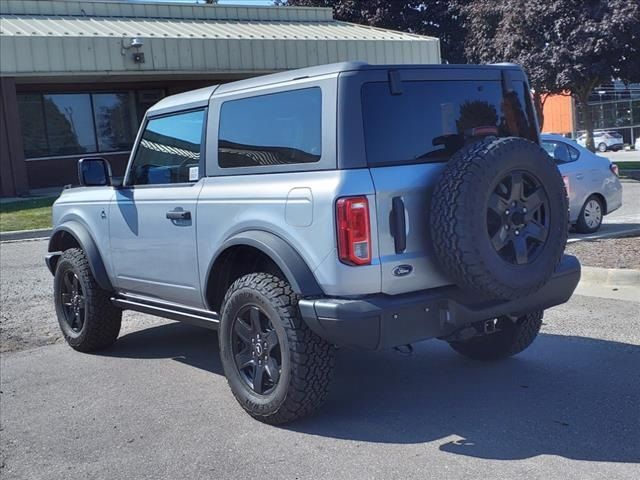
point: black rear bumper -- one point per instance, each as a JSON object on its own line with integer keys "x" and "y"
{"x": 382, "y": 321}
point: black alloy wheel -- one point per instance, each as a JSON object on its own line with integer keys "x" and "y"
{"x": 518, "y": 218}
{"x": 256, "y": 349}
{"x": 73, "y": 301}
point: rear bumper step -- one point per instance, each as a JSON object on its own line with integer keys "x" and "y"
{"x": 383, "y": 321}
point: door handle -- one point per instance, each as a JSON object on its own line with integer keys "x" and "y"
{"x": 579, "y": 176}
{"x": 398, "y": 225}
{"x": 179, "y": 214}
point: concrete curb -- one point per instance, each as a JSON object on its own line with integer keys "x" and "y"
{"x": 25, "y": 235}
{"x": 630, "y": 232}
{"x": 610, "y": 277}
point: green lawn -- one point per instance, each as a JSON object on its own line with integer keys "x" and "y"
{"x": 26, "y": 214}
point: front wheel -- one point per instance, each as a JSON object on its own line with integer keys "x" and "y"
{"x": 510, "y": 338}
{"x": 602, "y": 147}
{"x": 87, "y": 318}
{"x": 277, "y": 368}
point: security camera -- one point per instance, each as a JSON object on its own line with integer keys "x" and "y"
{"x": 136, "y": 43}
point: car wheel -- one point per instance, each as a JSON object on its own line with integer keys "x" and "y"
{"x": 590, "y": 218}
{"x": 87, "y": 318}
{"x": 602, "y": 147}
{"x": 499, "y": 218}
{"x": 510, "y": 338}
{"x": 276, "y": 367}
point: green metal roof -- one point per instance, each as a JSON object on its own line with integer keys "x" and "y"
{"x": 87, "y": 38}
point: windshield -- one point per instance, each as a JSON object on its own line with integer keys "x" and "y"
{"x": 431, "y": 120}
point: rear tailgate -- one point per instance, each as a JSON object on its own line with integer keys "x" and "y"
{"x": 413, "y": 124}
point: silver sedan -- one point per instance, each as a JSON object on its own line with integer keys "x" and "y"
{"x": 592, "y": 182}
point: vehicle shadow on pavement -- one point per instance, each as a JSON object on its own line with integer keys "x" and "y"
{"x": 569, "y": 396}
{"x": 194, "y": 346}
{"x": 574, "y": 397}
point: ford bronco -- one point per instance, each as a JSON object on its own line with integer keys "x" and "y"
{"x": 350, "y": 205}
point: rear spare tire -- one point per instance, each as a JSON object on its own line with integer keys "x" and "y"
{"x": 499, "y": 217}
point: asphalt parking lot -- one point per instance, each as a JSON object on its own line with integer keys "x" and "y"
{"x": 157, "y": 406}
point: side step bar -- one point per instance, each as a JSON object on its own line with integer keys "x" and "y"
{"x": 172, "y": 311}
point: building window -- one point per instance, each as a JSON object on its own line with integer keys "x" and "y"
{"x": 68, "y": 123}
{"x": 275, "y": 129}
{"x": 63, "y": 124}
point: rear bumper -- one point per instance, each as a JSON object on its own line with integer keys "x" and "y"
{"x": 382, "y": 321}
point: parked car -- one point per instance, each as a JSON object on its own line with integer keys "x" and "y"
{"x": 364, "y": 206}
{"x": 592, "y": 182}
{"x": 637, "y": 144}
{"x": 603, "y": 141}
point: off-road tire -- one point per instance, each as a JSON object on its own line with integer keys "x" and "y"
{"x": 458, "y": 217}
{"x": 581, "y": 224}
{"x": 511, "y": 339}
{"x": 102, "y": 319}
{"x": 307, "y": 359}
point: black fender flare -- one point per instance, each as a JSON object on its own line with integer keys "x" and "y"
{"x": 288, "y": 260}
{"x": 80, "y": 233}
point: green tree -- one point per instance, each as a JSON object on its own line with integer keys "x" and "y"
{"x": 566, "y": 46}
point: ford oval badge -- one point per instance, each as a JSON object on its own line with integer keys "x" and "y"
{"x": 402, "y": 270}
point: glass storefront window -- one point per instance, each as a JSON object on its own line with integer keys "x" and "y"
{"x": 113, "y": 120}
{"x": 69, "y": 123}
{"x": 34, "y": 136}
{"x": 62, "y": 124}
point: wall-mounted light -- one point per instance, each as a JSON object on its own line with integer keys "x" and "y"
{"x": 135, "y": 43}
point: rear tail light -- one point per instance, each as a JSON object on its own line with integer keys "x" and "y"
{"x": 567, "y": 186}
{"x": 614, "y": 169}
{"x": 354, "y": 230}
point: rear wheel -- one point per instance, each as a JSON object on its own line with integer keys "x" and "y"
{"x": 277, "y": 368}
{"x": 602, "y": 147}
{"x": 590, "y": 218}
{"x": 510, "y": 338}
{"x": 87, "y": 318}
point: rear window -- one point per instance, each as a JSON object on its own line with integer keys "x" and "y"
{"x": 431, "y": 120}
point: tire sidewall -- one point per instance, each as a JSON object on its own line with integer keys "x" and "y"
{"x": 536, "y": 272}
{"x": 66, "y": 265}
{"x": 258, "y": 404}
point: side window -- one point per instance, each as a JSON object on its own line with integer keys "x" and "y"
{"x": 560, "y": 151}
{"x": 169, "y": 150}
{"x": 275, "y": 129}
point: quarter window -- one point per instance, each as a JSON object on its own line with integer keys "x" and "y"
{"x": 170, "y": 149}
{"x": 560, "y": 151}
{"x": 276, "y": 129}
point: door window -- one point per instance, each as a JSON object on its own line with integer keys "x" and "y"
{"x": 170, "y": 149}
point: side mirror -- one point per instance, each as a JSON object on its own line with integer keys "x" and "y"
{"x": 94, "y": 172}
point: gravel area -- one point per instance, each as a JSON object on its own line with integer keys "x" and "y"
{"x": 608, "y": 252}
{"x": 27, "y": 314}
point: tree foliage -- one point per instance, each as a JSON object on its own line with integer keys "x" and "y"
{"x": 427, "y": 17}
{"x": 566, "y": 46}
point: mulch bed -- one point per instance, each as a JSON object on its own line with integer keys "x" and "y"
{"x": 608, "y": 252}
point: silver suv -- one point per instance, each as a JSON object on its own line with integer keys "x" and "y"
{"x": 345, "y": 205}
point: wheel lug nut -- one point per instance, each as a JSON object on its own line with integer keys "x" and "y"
{"x": 517, "y": 232}
{"x": 506, "y": 227}
{"x": 524, "y": 210}
{"x": 507, "y": 212}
